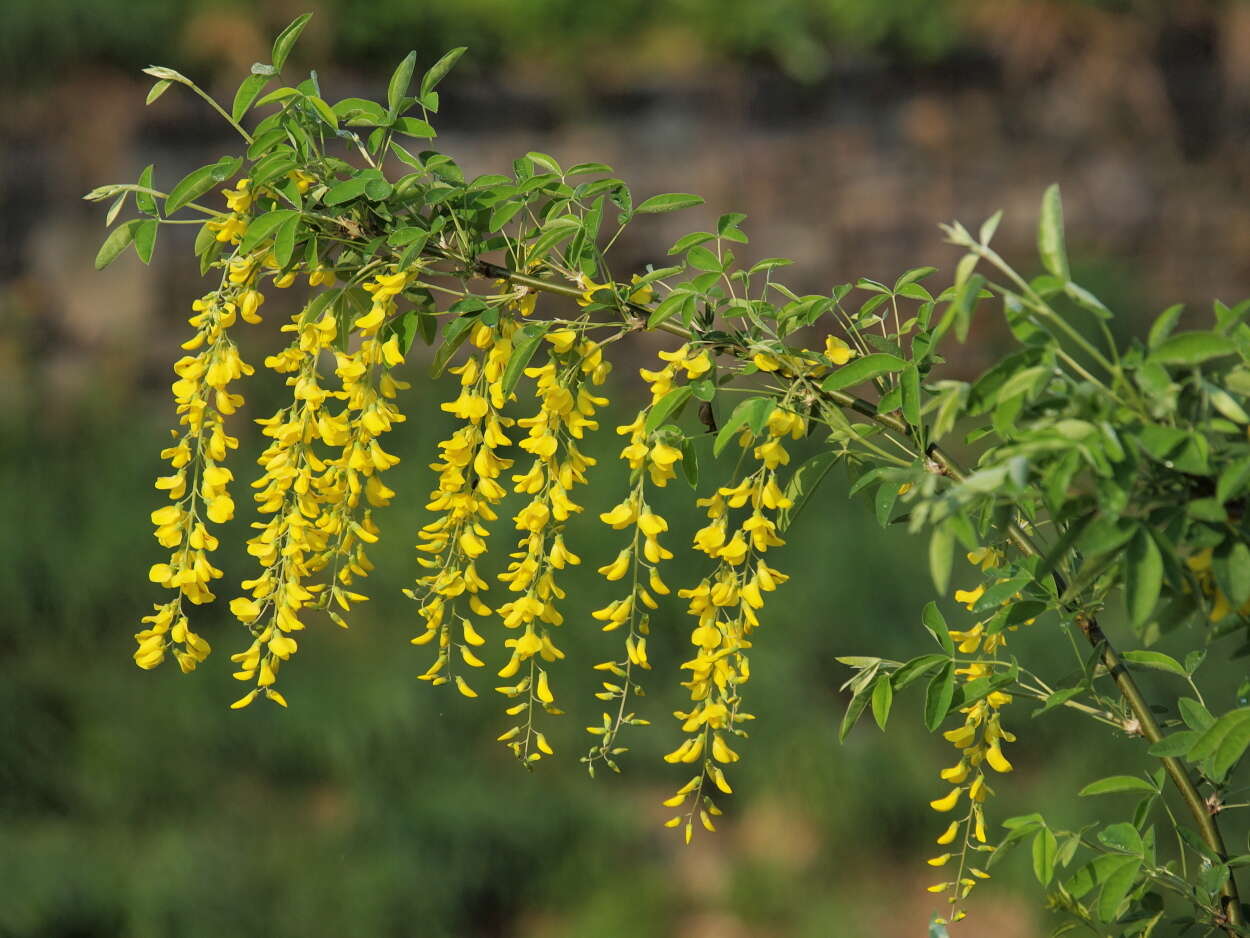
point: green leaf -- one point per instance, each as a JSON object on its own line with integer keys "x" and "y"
{"x": 157, "y": 90}
{"x": 1117, "y": 881}
{"x": 118, "y": 240}
{"x": 912, "y": 276}
{"x": 935, "y": 623}
{"x": 669, "y": 306}
{"x": 145, "y": 239}
{"x": 1044, "y": 848}
{"x": 1164, "y": 323}
{"x": 439, "y": 69}
{"x": 1057, "y": 699}
{"x": 989, "y": 226}
{"x": 1213, "y": 737}
{"x": 669, "y": 202}
{"x": 665, "y": 406}
{"x": 938, "y": 696}
{"x": 882, "y": 698}
{"x": 863, "y": 369}
{"x": 1122, "y": 837}
{"x": 1195, "y": 715}
{"x": 1050, "y": 235}
{"x": 700, "y": 258}
{"x": 1225, "y": 403}
{"x": 915, "y": 669}
{"x": 262, "y": 227}
{"x": 145, "y": 201}
{"x": 1192, "y": 348}
{"x": 853, "y": 710}
{"x": 1233, "y": 478}
{"x": 401, "y": 78}
{"x": 192, "y": 186}
{"x": 414, "y": 127}
{"x": 247, "y": 94}
{"x": 1143, "y": 576}
{"x": 941, "y": 557}
{"x": 546, "y": 161}
{"x": 1086, "y": 300}
{"x": 1178, "y": 744}
{"x": 752, "y": 412}
{"x": 278, "y": 94}
{"x": 690, "y": 462}
{"x": 686, "y": 242}
{"x": 1232, "y": 746}
{"x": 1117, "y": 783}
{"x": 1155, "y": 660}
{"x": 286, "y": 40}
{"x": 323, "y": 109}
{"x": 284, "y": 240}
{"x": 524, "y": 344}
{"x": 360, "y": 111}
{"x": 346, "y": 190}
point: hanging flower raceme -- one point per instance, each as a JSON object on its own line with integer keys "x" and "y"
{"x": 651, "y": 458}
{"x": 317, "y": 524}
{"x": 351, "y": 485}
{"x": 979, "y": 742}
{"x": 726, "y": 606}
{"x": 289, "y": 496}
{"x": 566, "y": 411}
{"x": 468, "y": 489}
{"x": 198, "y": 486}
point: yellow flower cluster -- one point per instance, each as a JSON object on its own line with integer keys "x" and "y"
{"x": 231, "y": 228}
{"x": 198, "y": 487}
{"x": 315, "y": 523}
{"x": 726, "y": 605}
{"x": 468, "y": 489}
{"x": 979, "y": 742}
{"x": 791, "y": 365}
{"x": 650, "y": 456}
{"x": 566, "y": 412}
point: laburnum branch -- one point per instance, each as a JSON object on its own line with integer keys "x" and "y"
{"x": 1145, "y": 723}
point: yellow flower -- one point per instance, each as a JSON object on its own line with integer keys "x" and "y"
{"x": 970, "y": 597}
{"x": 837, "y": 351}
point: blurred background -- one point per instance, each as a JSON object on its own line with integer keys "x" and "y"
{"x": 135, "y": 804}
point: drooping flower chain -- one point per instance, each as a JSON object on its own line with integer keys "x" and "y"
{"x": 316, "y": 523}
{"x": 726, "y": 606}
{"x": 650, "y": 457}
{"x": 198, "y": 486}
{"x": 467, "y": 491}
{"x": 979, "y": 743}
{"x": 566, "y": 411}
